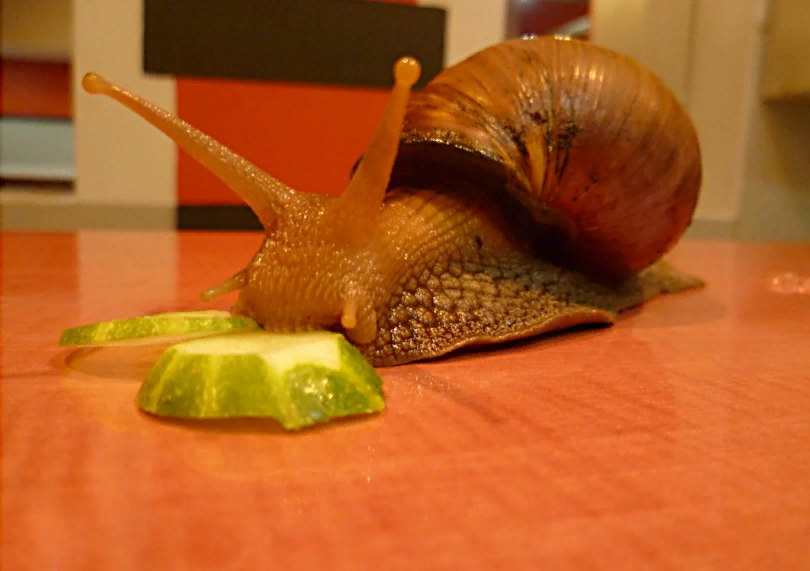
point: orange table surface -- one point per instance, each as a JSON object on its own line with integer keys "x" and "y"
{"x": 678, "y": 438}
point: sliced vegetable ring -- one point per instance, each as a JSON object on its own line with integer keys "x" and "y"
{"x": 180, "y": 324}
{"x": 299, "y": 379}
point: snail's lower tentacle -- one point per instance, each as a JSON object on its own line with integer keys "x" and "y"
{"x": 233, "y": 283}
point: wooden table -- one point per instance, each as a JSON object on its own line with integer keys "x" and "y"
{"x": 677, "y": 439}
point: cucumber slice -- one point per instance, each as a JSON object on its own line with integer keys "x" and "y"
{"x": 299, "y": 379}
{"x": 166, "y": 326}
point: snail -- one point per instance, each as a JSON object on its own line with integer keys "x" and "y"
{"x": 534, "y": 186}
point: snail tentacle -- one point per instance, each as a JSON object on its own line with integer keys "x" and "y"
{"x": 265, "y": 195}
{"x": 359, "y": 322}
{"x": 233, "y": 283}
{"x": 354, "y": 214}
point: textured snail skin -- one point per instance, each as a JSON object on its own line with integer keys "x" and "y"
{"x": 533, "y": 187}
{"x": 471, "y": 275}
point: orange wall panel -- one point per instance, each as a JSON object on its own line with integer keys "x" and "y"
{"x": 35, "y": 89}
{"x": 307, "y": 136}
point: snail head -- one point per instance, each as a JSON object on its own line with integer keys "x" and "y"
{"x": 315, "y": 268}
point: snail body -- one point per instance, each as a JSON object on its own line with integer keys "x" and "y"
{"x": 532, "y": 187}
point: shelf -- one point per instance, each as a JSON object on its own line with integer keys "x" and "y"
{"x": 785, "y": 73}
{"x": 36, "y": 149}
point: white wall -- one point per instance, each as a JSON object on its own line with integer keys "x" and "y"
{"x": 756, "y": 156}
{"x": 471, "y": 26}
{"x": 775, "y": 201}
{"x": 689, "y": 43}
{"x": 657, "y": 33}
{"x": 723, "y": 88}
{"x": 120, "y": 159}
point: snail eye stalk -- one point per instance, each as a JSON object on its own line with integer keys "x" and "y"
{"x": 354, "y": 214}
{"x": 265, "y": 195}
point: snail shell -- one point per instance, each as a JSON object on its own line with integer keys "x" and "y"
{"x": 532, "y": 187}
{"x": 587, "y": 140}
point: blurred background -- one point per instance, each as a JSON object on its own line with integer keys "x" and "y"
{"x": 296, "y": 86}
